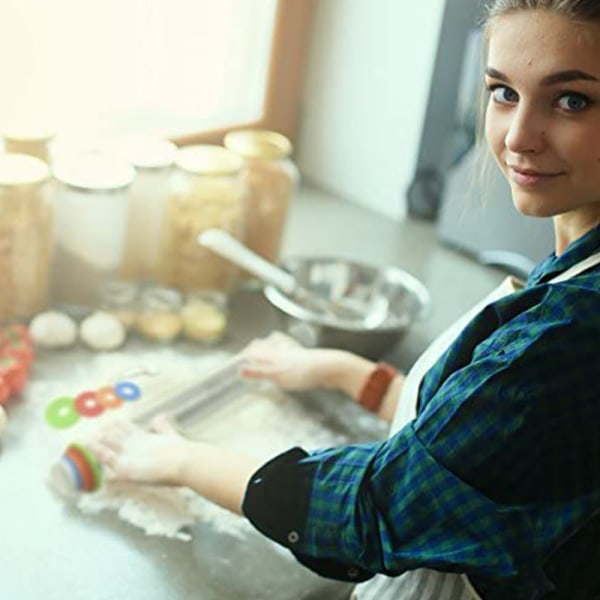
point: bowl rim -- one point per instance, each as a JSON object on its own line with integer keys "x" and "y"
{"x": 283, "y": 302}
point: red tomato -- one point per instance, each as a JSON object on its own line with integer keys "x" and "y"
{"x": 19, "y": 350}
{"x": 4, "y": 391}
{"x": 14, "y": 373}
{"x": 18, "y": 332}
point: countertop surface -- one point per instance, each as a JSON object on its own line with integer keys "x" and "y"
{"x": 50, "y": 551}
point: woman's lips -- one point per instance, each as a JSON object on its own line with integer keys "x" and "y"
{"x": 529, "y": 177}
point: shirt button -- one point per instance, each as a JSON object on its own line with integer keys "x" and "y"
{"x": 352, "y": 572}
{"x": 293, "y": 537}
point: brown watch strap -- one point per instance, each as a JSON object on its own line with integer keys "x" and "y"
{"x": 376, "y": 386}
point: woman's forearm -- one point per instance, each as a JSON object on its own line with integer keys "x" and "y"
{"x": 215, "y": 473}
{"x": 348, "y": 373}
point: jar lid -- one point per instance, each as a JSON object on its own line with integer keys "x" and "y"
{"x": 258, "y": 143}
{"x": 146, "y": 152}
{"x": 158, "y": 297}
{"x": 208, "y": 159}
{"x": 93, "y": 171}
{"x": 28, "y": 132}
{"x": 22, "y": 169}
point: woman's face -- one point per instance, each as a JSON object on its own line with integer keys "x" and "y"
{"x": 543, "y": 116}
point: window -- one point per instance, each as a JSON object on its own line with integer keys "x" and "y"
{"x": 184, "y": 69}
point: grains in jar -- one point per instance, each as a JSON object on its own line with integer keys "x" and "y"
{"x": 159, "y": 317}
{"x": 206, "y": 192}
{"x": 26, "y": 233}
{"x": 269, "y": 177}
{"x": 204, "y": 316}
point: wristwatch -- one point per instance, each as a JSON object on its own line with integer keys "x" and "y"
{"x": 375, "y": 387}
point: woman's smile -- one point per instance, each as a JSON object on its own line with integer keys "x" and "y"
{"x": 531, "y": 177}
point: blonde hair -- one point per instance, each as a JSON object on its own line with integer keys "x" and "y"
{"x": 576, "y": 10}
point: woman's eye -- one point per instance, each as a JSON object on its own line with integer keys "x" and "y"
{"x": 504, "y": 95}
{"x": 573, "y": 102}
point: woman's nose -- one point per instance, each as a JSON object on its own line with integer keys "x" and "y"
{"x": 526, "y": 132}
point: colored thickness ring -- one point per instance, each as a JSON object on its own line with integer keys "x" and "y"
{"x": 127, "y": 390}
{"x": 88, "y": 468}
{"x": 93, "y": 463}
{"x": 108, "y": 397}
{"x": 87, "y": 404}
{"x": 84, "y": 470}
{"x": 61, "y": 412}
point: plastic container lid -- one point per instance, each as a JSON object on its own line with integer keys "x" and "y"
{"x": 207, "y": 159}
{"x": 28, "y": 132}
{"x": 93, "y": 171}
{"x": 146, "y": 152}
{"x": 258, "y": 143}
{"x": 22, "y": 169}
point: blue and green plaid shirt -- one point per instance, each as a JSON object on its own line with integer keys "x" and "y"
{"x": 497, "y": 477}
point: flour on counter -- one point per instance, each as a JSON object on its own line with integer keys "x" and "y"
{"x": 262, "y": 423}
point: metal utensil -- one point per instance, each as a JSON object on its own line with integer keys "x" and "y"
{"x": 228, "y": 247}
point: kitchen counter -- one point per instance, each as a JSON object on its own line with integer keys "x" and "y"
{"x": 50, "y": 551}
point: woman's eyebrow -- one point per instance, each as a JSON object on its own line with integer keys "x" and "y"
{"x": 553, "y": 79}
{"x": 496, "y": 74}
{"x": 566, "y": 76}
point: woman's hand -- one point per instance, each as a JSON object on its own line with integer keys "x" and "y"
{"x": 161, "y": 456}
{"x": 290, "y": 365}
{"x": 156, "y": 455}
{"x": 284, "y": 361}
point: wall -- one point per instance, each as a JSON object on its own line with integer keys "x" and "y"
{"x": 365, "y": 98}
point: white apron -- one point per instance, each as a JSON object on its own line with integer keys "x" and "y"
{"x": 427, "y": 584}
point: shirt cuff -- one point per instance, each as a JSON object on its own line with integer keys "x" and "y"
{"x": 277, "y": 502}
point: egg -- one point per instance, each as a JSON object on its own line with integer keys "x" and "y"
{"x": 102, "y": 331}
{"x": 53, "y": 329}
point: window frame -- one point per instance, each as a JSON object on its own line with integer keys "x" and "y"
{"x": 293, "y": 20}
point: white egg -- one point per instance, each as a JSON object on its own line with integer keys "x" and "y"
{"x": 3, "y": 420}
{"x": 102, "y": 331}
{"x": 53, "y": 329}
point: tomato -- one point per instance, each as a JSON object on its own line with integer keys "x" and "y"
{"x": 4, "y": 391}
{"x": 14, "y": 373}
{"x": 16, "y": 332}
{"x": 20, "y": 350}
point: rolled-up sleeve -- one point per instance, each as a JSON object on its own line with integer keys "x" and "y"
{"x": 426, "y": 498}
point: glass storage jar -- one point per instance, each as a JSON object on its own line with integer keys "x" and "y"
{"x": 91, "y": 200}
{"x": 120, "y": 299}
{"x": 153, "y": 160}
{"x": 26, "y": 229}
{"x": 204, "y": 316}
{"x": 206, "y": 192}
{"x": 159, "y": 316}
{"x": 270, "y": 177}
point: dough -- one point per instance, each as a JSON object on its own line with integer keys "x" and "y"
{"x": 53, "y": 329}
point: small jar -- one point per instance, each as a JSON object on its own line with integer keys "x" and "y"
{"x": 153, "y": 161}
{"x": 205, "y": 193}
{"x": 91, "y": 199}
{"x": 26, "y": 231}
{"x": 159, "y": 317}
{"x": 204, "y": 316}
{"x": 270, "y": 178}
{"x": 120, "y": 299}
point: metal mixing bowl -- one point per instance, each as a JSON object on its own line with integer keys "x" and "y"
{"x": 394, "y": 297}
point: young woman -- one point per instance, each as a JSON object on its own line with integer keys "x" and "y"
{"x": 489, "y": 485}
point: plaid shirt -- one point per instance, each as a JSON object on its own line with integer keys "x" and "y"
{"x": 498, "y": 476}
